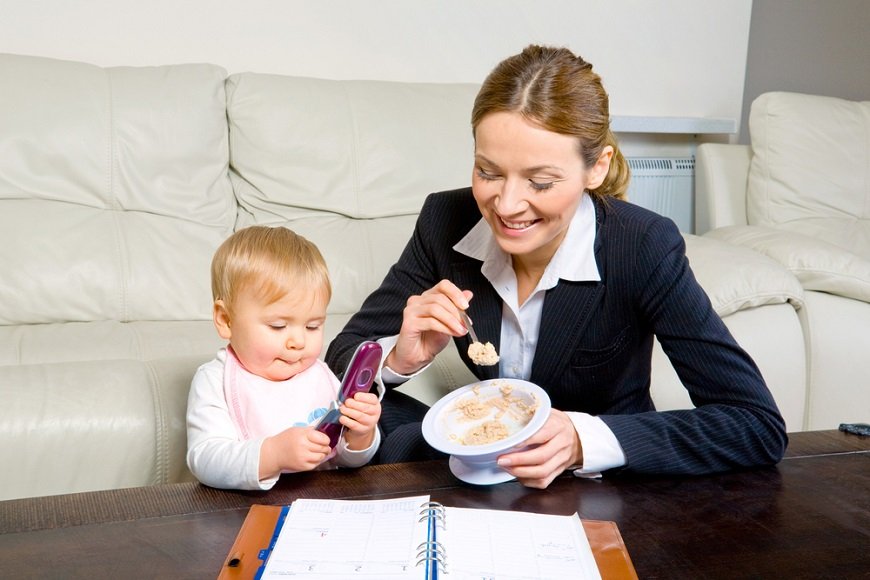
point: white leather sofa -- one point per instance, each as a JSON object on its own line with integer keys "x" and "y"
{"x": 117, "y": 185}
{"x": 800, "y": 194}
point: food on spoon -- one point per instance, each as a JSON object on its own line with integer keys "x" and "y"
{"x": 482, "y": 354}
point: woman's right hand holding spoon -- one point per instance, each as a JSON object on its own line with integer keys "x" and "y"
{"x": 429, "y": 320}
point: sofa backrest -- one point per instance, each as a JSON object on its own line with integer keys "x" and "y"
{"x": 346, "y": 164}
{"x": 114, "y": 190}
{"x": 810, "y": 169}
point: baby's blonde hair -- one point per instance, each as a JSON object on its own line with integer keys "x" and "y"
{"x": 273, "y": 261}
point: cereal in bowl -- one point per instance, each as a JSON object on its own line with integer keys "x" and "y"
{"x": 503, "y": 414}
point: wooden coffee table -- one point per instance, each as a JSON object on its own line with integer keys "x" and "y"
{"x": 808, "y": 517}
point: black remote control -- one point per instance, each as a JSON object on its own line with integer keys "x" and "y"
{"x": 862, "y": 429}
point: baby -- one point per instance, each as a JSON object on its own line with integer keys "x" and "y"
{"x": 250, "y": 411}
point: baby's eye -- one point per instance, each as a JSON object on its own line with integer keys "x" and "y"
{"x": 541, "y": 186}
{"x": 277, "y": 325}
{"x": 313, "y": 327}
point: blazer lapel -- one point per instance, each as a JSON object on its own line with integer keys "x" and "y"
{"x": 567, "y": 310}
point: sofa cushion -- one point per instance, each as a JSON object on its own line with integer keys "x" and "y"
{"x": 810, "y": 170}
{"x": 817, "y": 264}
{"x": 346, "y": 164}
{"x": 114, "y": 190}
{"x": 737, "y": 278}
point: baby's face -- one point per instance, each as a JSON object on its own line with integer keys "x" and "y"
{"x": 277, "y": 340}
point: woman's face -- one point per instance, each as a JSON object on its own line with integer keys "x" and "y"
{"x": 528, "y": 182}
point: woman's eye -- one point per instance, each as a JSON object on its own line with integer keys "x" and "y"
{"x": 541, "y": 186}
{"x": 486, "y": 176}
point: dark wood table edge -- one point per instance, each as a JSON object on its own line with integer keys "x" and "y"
{"x": 183, "y": 499}
{"x": 191, "y": 498}
{"x": 828, "y": 442}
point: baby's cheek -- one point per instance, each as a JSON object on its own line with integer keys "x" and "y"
{"x": 305, "y": 364}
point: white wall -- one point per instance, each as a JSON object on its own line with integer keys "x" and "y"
{"x": 673, "y": 58}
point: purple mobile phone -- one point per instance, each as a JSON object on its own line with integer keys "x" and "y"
{"x": 358, "y": 377}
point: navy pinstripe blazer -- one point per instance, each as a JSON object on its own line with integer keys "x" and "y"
{"x": 595, "y": 343}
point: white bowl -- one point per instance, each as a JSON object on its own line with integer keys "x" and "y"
{"x": 444, "y": 425}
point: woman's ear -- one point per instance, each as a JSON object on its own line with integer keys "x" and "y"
{"x": 221, "y": 319}
{"x": 598, "y": 172}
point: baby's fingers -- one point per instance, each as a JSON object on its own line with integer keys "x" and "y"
{"x": 360, "y": 400}
{"x": 360, "y": 418}
{"x": 318, "y": 442}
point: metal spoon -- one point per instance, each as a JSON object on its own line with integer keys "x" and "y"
{"x": 469, "y": 325}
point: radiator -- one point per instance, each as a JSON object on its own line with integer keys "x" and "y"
{"x": 665, "y": 185}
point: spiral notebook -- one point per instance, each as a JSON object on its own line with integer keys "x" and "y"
{"x": 415, "y": 538}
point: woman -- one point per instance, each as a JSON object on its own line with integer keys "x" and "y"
{"x": 571, "y": 284}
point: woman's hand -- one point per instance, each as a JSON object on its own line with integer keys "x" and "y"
{"x": 294, "y": 449}
{"x": 360, "y": 416}
{"x": 555, "y": 447}
{"x": 428, "y": 322}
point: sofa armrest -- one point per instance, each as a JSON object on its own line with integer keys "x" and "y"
{"x": 758, "y": 300}
{"x": 721, "y": 174}
{"x": 817, "y": 264}
{"x": 737, "y": 278}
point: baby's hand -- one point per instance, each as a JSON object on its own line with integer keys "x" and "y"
{"x": 294, "y": 449}
{"x": 360, "y": 417}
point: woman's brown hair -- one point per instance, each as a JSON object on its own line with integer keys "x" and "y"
{"x": 559, "y": 92}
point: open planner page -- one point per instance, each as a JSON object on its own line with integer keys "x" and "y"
{"x": 349, "y": 539}
{"x": 510, "y": 545}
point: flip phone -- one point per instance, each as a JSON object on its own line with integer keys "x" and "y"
{"x": 358, "y": 378}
